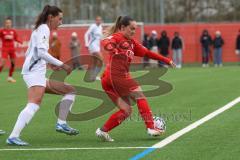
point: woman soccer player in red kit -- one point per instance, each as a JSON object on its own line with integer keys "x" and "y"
{"x": 8, "y": 36}
{"x": 116, "y": 80}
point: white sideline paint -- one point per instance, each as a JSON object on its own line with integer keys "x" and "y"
{"x": 155, "y": 146}
{"x": 63, "y": 149}
{"x": 195, "y": 124}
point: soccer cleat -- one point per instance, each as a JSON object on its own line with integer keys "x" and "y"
{"x": 103, "y": 135}
{"x": 154, "y": 132}
{"x": 16, "y": 141}
{"x": 11, "y": 80}
{"x": 98, "y": 78}
{"x": 64, "y": 128}
{"x": 2, "y": 132}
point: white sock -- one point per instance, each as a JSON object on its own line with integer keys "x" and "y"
{"x": 24, "y": 118}
{"x": 64, "y": 107}
{"x": 59, "y": 121}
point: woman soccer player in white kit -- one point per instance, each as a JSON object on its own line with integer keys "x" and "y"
{"x": 92, "y": 42}
{"x": 34, "y": 75}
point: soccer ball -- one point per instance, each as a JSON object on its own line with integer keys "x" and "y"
{"x": 159, "y": 123}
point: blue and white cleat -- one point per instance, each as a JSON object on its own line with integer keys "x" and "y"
{"x": 64, "y": 128}
{"x": 16, "y": 141}
{"x": 2, "y": 132}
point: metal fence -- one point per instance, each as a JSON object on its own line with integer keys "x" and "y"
{"x": 23, "y": 12}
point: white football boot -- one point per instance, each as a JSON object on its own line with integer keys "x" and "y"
{"x": 103, "y": 135}
{"x": 154, "y": 132}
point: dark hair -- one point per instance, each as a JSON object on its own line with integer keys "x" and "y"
{"x": 43, "y": 17}
{"x": 8, "y": 18}
{"x": 164, "y": 33}
{"x": 176, "y": 33}
{"x": 205, "y": 31}
{"x": 119, "y": 22}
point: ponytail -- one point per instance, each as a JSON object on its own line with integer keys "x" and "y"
{"x": 43, "y": 17}
{"x": 113, "y": 28}
{"x": 120, "y": 21}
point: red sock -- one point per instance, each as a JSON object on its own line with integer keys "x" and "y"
{"x": 1, "y": 67}
{"x": 11, "y": 70}
{"x": 145, "y": 112}
{"x": 115, "y": 119}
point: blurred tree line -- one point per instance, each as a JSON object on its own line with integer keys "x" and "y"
{"x": 24, "y": 12}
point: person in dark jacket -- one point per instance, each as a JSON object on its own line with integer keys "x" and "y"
{"x": 177, "y": 45}
{"x": 238, "y": 46}
{"x": 163, "y": 45}
{"x": 146, "y": 43}
{"x": 206, "y": 42}
{"x": 217, "y": 45}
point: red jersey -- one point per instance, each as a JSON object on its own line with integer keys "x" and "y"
{"x": 122, "y": 52}
{"x": 8, "y": 36}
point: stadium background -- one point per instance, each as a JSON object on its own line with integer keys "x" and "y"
{"x": 189, "y": 18}
{"x": 197, "y": 91}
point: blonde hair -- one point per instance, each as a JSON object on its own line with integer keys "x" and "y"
{"x": 113, "y": 29}
{"x": 119, "y": 22}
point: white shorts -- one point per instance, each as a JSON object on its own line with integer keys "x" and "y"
{"x": 35, "y": 80}
{"x": 93, "y": 49}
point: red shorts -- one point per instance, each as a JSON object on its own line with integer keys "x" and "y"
{"x": 118, "y": 87}
{"x": 10, "y": 53}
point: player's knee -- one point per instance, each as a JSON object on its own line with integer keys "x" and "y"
{"x": 36, "y": 100}
{"x": 127, "y": 111}
{"x": 3, "y": 62}
{"x": 70, "y": 89}
{"x": 138, "y": 95}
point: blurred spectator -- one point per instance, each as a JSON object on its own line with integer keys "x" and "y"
{"x": 146, "y": 43}
{"x": 75, "y": 50}
{"x": 206, "y": 41}
{"x": 177, "y": 45}
{"x": 217, "y": 45}
{"x": 55, "y": 46}
{"x": 153, "y": 46}
{"x": 238, "y": 46}
{"x": 163, "y": 45}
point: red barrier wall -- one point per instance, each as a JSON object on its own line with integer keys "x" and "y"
{"x": 191, "y": 35}
{"x": 189, "y": 32}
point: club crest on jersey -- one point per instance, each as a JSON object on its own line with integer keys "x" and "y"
{"x": 45, "y": 40}
{"x": 130, "y": 54}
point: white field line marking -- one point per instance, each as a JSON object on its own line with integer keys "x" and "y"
{"x": 195, "y": 124}
{"x": 63, "y": 149}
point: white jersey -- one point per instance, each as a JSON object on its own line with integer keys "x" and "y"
{"x": 37, "y": 55}
{"x": 93, "y": 37}
{"x": 39, "y": 39}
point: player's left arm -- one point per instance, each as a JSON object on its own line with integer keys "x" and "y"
{"x": 141, "y": 51}
{"x": 1, "y": 35}
{"x": 16, "y": 38}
